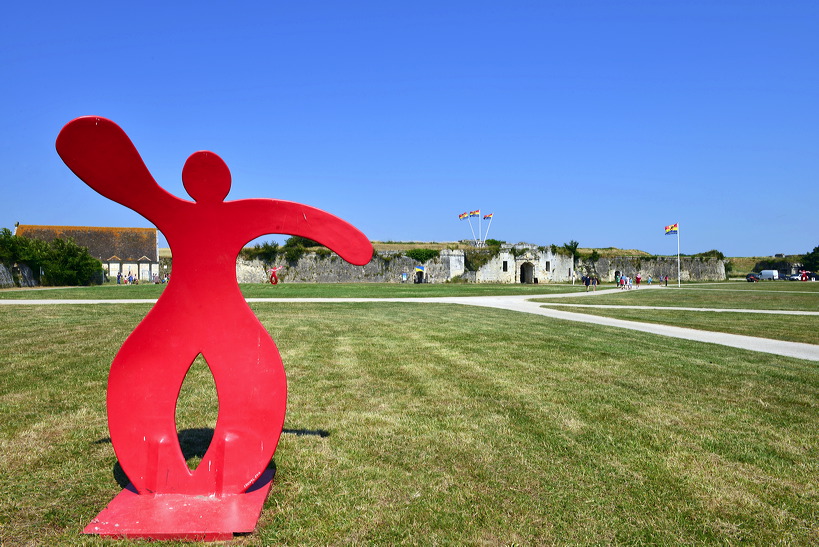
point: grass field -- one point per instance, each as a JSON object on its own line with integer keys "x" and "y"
{"x": 789, "y": 296}
{"x": 300, "y": 290}
{"x": 773, "y": 295}
{"x": 445, "y": 425}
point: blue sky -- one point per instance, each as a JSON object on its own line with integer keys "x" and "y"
{"x": 594, "y": 121}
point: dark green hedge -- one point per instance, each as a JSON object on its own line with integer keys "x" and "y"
{"x": 62, "y": 261}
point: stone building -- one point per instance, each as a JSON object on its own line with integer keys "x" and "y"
{"x": 523, "y": 263}
{"x": 121, "y": 250}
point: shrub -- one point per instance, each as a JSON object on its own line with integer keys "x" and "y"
{"x": 266, "y": 252}
{"x": 422, "y": 255}
{"x": 62, "y": 262}
{"x": 293, "y": 254}
{"x": 70, "y": 264}
{"x": 713, "y": 253}
{"x": 595, "y": 256}
{"x": 474, "y": 259}
{"x": 298, "y": 241}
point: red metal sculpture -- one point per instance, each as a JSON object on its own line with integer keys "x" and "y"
{"x": 202, "y": 311}
{"x": 274, "y": 278}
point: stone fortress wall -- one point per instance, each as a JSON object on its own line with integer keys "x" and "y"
{"x": 385, "y": 267}
{"x": 513, "y": 264}
{"x": 19, "y": 275}
{"x": 691, "y": 268}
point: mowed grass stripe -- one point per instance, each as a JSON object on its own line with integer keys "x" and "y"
{"x": 449, "y": 424}
{"x": 790, "y": 328}
{"x": 795, "y": 296}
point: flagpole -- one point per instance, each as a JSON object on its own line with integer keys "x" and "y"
{"x": 480, "y": 225}
{"x": 469, "y": 219}
{"x": 678, "y": 255}
{"x": 487, "y": 229}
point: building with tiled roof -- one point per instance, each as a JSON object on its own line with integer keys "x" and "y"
{"x": 121, "y": 250}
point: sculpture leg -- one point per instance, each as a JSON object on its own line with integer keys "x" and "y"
{"x": 143, "y": 386}
{"x": 252, "y": 390}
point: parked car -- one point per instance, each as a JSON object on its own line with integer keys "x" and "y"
{"x": 752, "y": 277}
{"x": 794, "y": 277}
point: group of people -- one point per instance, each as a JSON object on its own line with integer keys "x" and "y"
{"x": 626, "y": 283}
{"x": 127, "y": 280}
{"x": 623, "y": 282}
{"x": 590, "y": 281}
{"x": 131, "y": 279}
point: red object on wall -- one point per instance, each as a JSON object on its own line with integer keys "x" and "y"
{"x": 201, "y": 311}
{"x": 274, "y": 279}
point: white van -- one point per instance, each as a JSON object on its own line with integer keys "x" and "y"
{"x": 769, "y": 274}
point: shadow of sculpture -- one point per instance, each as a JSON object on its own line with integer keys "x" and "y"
{"x": 195, "y": 443}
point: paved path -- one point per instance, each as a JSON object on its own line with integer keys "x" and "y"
{"x": 778, "y": 347}
{"x": 680, "y": 308}
{"x": 523, "y": 304}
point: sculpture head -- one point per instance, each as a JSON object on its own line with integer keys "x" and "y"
{"x": 206, "y": 177}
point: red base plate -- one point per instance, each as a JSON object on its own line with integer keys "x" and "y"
{"x": 182, "y": 516}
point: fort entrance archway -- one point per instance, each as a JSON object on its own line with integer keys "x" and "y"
{"x": 527, "y": 272}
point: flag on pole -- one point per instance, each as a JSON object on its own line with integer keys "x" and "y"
{"x": 673, "y": 229}
{"x": 419, "y": 268}
{"x": 488, "y": 216}
{"x": 463, "y": 216}
{"x": 476, "y": 213}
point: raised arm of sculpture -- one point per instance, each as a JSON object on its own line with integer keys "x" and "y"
{"x": 270, "y": 216}
{"x": 100, "y": 153}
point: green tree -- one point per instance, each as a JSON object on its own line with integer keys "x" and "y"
{"x": 62, "y": 262}
{"x": 8, "y": 247}
{"x": 811, "y": 260}
{"x": 571, "y": 247}
{"x": 14, "y": 249}
{"x": 70, "y": 264}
